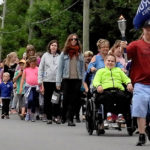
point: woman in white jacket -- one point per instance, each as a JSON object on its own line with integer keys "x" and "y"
{"x": 47, "y": 77}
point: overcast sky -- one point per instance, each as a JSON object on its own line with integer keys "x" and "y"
{"x": 1, "y": 2}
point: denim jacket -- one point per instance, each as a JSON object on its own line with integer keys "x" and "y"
{"x": 63, "y": 68}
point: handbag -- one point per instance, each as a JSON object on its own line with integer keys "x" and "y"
{"x": 55, "y": 97}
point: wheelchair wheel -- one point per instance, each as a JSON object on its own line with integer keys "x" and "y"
{"x": 131, "y": 125}
{"x": 130, "y": 130}
{"x": 100, "y": 131}
{"x": 100, "y": 121}
{"x": 89, "y": 117}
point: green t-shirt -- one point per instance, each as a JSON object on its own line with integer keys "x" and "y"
{"x": 18, "y": 82}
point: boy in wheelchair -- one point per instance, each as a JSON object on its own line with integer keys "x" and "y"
{"x": 109, "y": 84}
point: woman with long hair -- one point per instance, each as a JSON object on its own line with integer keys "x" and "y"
{"x": 71, "y": 71}
{"x": 47, "y": 76}
{"x": 10, "y": 64}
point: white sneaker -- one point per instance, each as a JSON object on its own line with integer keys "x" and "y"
{"x": 106, "y": 125}
{"x": 120, "y": 119}
{"x": 32, "y": 118}
{"x": 27, "y": 118}
{"x": 115, "y": 125}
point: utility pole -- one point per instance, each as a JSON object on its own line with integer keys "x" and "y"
{"x": 2, "y": 26}
{"x": 86, "y": 5}
{"x": 30, "y": 27}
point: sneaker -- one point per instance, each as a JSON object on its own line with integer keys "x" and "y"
{"x": 83, "y": 118}
{"x": 32, "y": 117}
{"x": 115, "y": 125}
{"x": 27, "y": 118}
{"x": 70, "y": 123}
{"x": 106, "y": 125}
{"x": 7, "y": 116}
{"x": 21, "y": 116}
{"x": 32, "y": 120}
{"x": 2, "y": 116}
{"x": 44, "y": 118}
{"x": 57, "y": 120}
{"x": 147, "y": 130}
{"x": 101, "y": 128}
{"x": 142, "y": 140}
{"x": 101, "y": 131}
{"x": 63, "y": 121}
{"x": 109, "y": 119}
{"x": 37, "y": 117}
{"x": 41, "y": 117}
{"x": 120, "y": 119}
{"x": 49, "y": 121}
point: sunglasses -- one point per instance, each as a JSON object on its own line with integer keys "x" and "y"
{"x": 75, "y": 39}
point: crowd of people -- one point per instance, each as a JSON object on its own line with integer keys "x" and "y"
{"x": 50, "y": 87}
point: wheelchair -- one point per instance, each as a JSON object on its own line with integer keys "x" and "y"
{"x": 95, "y": 117}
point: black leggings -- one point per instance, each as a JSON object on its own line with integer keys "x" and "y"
{"x": 49, "y": 108}
{"x": 49, "y": 87}
{"x": 5, "y": 107}
{"x": 71, "y": 95}
{"x": 121, "y": 99}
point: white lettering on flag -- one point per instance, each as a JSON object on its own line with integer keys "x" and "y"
{"x": 143, "y": 5}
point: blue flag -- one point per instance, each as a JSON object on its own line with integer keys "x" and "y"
{"x": 143, "y": 14}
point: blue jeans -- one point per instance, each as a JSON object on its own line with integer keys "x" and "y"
{"x": 32, "y": 99}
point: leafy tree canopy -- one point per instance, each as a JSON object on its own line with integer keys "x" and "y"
{"x": 56, "y": 19}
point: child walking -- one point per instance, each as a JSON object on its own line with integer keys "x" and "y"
{"x": 30, "y": 75}
{"x": 10, "y": 67}
{"x": 6, "y": 88}
{"x": 20, "y": 97}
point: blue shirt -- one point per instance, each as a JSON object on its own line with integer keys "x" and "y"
{"x": 98, "y": 64}
{"x": 5, "y": 90}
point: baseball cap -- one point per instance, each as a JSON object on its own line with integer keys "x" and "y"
{"x": 147, "y": 23}
{"x": 22, "y": 61}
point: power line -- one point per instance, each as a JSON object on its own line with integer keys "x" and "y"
{"x": 42, "y": 21}
{"x": 38, "y": 22}
{"x": 12, "y": 31}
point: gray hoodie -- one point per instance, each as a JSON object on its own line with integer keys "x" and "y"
{"x": 48, "y": 68}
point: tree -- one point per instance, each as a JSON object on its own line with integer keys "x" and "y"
{"x": 56, "y": 19}
{"x": 14, "y": 20}
{"x": 104, "y": 16}
{"x": 51, "y": 23}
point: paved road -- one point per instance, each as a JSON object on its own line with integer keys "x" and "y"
{"x": 16, "y": 134}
